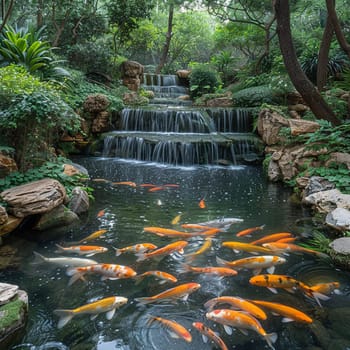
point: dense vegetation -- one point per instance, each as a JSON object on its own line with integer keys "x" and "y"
{"x": 53, "y": 54}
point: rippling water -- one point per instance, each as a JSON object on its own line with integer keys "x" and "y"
{"x": 238, "y": 192}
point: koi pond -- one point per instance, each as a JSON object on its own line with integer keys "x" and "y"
{"x": 124, "y": 210}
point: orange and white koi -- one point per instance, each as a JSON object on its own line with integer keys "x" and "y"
{"x": 286, "y": 282}
{"x": 209, "y": 333}
{"x": 246, "y": 247}
{"x": 101, "y": 213}
{"x": 219, "y": 271}
{"x": 93, "y": 235}
{"x": 286, "y": 248}
{"x": 167, "y": 232}
{"x": 108, "y": 271}
{"x": 248, "y": 231}
{"x": 326, "y": 288}
{"x": 108, "y": 305}
{"x": 242, "y": 321}
{"x": 177, "y": 246}
{"x": 161, "y": 275}
{"x": 175, "y": 329}
{"x": 238, "y": 303}
{"x": 271, "y": 238}
{"x": 88, "y": 250}
{"x": 179, "y": 292}
{"x": 205, "y": 246}
{"x": 290, "y": 314}
{"x": 127, "y": 183}
{"x": 257, "y": 263}
{"x": 136, "y": 248}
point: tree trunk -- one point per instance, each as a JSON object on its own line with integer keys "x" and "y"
{"x": 166, "y": 46}
{"x": 307, "y": 90}
{"x": 336, "y": 26}
{"x": 323, "y": 55}
{"x": 39, "y": 14}
{"x": 5, "y": 13}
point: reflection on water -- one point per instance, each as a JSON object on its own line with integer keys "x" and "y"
{"x": 232, "y": 192}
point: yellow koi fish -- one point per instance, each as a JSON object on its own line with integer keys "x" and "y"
{"x": 219, "y": 271}
{"x": 257, "y": 263}
{"x": 237, "y": 319}
{"x": 108, "y": 305}
{"x": 209, "y": 333}
{"x": 326, "y": 288}
{"x": 93, "y": 235}
{"x": 108, "y": 271}
{"x": 180, "y": 292}
{"x": 137, "y": 248}
{"x": 167, "y": 232}
{"x": 176, "y": 219}
{"x": 205, "y": 246}
{"x": 272, "y": 238}
{"x": 175, "y": 329}
{"x": 239, "y": 303}
{"x": 246, "y": 247}
{"x": 286, "y": 248}
{"x": 88, "y": 250}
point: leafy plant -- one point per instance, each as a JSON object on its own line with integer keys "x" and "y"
{"x": 202, "y": 81}
{"x": 253, "y": 96}
{"x": 318, "y": 242}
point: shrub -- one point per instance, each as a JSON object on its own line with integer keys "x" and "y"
{"x": 202, "y": 81}
{"x": 254, "y": 96}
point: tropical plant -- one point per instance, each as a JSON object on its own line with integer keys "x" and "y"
{"x": 202, "y": 81}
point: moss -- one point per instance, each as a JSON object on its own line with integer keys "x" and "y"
{"x": 11, "y": 313}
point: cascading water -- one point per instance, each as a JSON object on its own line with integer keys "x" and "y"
{"x": 182, "y": 136}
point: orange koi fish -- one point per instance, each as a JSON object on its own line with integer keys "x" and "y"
{"x": 209, "y": 333}
{"x": 88, "y": 250}
{"x": 108, "y": 305}
{"x": 167, "y": 232}
{"x": 239, "y": 303}
{"x": 220, "y": 271}
{"x": 202, "y": 204}
{"x": 108, "y": 271}
{"x": 176, "y": 219}
{"x": 287, "y": 240}
{"x": 100, "y": 180}
{"x": 326, "y": 288}
{"x": 127, "y": 183}
{"x": 157, "y": 188}
{"x": 101, "y": 213}
{"x": 205, "y": 246}
{"x": 290, "y": 314}
{"x": 161, "y": 275}
{"x": 286, "y": 248}
{"x": 257, "y": 263}
{"x": 247, "y": 247}
{"x": 93, "y": 235}
{"x": 196, "y": 227}
{"x": 242, "y": 321}
{"x": 285, "y": 282}
{"x": 180, "y": 292}
{"x": 175, "y": 329}
{"x": 248, "y": 231}
{"x": 272, "y": 238}
{"x": 177, "y": 246}
{"x": 210, "y": 232}
{"x": 147, "y": 185}
{"x": 137, "y": 248}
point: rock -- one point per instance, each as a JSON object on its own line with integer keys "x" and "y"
{"x": 274, "y": 172}
{"x": 34, "y": 197}
{"x": 133, "y": 98}
{"x": 300, "y": 126}
{"x": 7, "y": 292}
{"x": 7, "y": 165}
{"x": 183, "y": 73}
{"x": 219, "y": 102}
{"x": 269, "y": 126}
{"x": 96, "y": 103}
{"x": 58, "y": 216}
{"x": 318, "y": 184}
{"x": 339, "y": 219}
{"x": 9, "y": 258}
{"x": 70, "y": 170}
{"x": 13, "y": 315}
{"x": 339, "y": 319}
{"x": 341, "y": 245}
{"x": 101, "y": 122}
{"x": 327, "y": 201}
{"x": 3, "y": 215}
{"x": 339, "y": 158}
{"x": 79, "y": 202}
{"x": 298, "y": 107}
{"x": 132, "y": 74}
{"x": 10, "y": 225}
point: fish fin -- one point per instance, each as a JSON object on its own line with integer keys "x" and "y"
{"x": 92, "y": 317}
{"x": 140, "y": 257}
{"x": 256, "y": 271}
{"x": 39, "y": 258}
{"x": 290, "y": 290}
{"x": 209, "y": 305}
{"x": 75, "y": 275}
{"x": 236, "y": 251}
{"x": 273, "y": 290}
{"x": 337, "y": 292}
{"x": 228, "y": 329}
{"x": 275, "y": 313}
{"x": 173, "y": 334}
{"x": 286, "y": 320}
{"x": 117, "y": 251}
{"x": 60, "y": 248}
{"x": 285, "y": 253}
{"x": 64, "y": 317}
{"x": 185, "y": 297}
{"x": 318, "y": 296}
{"x": 270, "y": 339}
{"x": 162, "y": 282}
{"x": 243, "y": 331}
{"x": 181, "y": 251}
{"x": 205, "y": 338}
{"x": 271, "y": 269}
{"x": 144, "y": 300}
{"x": 221, "y": 262}
{"x": 110, "y": 314}
{"x": 91, "y": 254}
{"x": 184, "y": 268}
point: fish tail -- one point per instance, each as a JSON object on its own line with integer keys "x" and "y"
{"x": 138, "y": 279}
{"x": 117, "y": 251}
{"x": 60, "y": 249}
{"x": 309, "y": 292}
{"x": 64, "y": 315}
{"x": 145, "y": 300}
{"x": 39, "y": 258}
{"x": 140, "y": 257}
{"x": 221, "y": 262}
{"x": 75, "y": 275}
{"x": 262, "y": 226}
{"x": 184, "y": 268}
{"x": 210, "y": 305}
{"x": 270, "y": 339}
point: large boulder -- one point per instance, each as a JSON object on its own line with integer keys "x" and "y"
{"x": 327, "y": 201}
{"x": 7, "y": 165}
{"x": 339, "y": 219}
{"x": 34, "y": 197}
{"x": 132, "y": 74}
{"x": 3, "y": 215}
{"x": 79, "y": 201}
